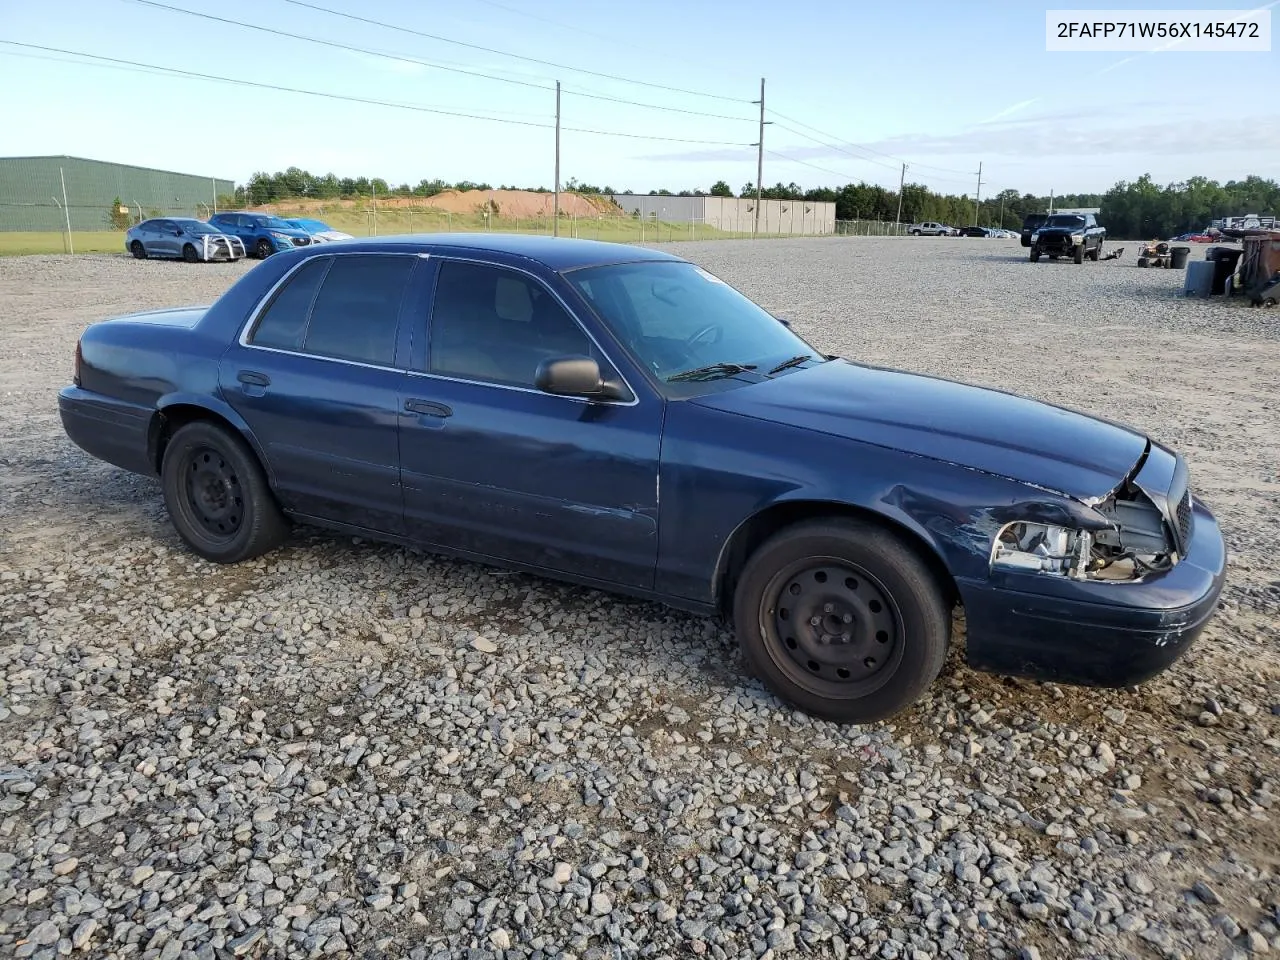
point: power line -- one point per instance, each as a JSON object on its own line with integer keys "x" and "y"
{"x": 555, "y": 23}
{"x": 814, "y": 166}
{"x": 175, "y": 71}
{"x": 514, "y": 56}
{"x": 897, "y": 160}
{"x": 403, "y": 58}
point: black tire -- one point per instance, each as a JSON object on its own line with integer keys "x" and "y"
{"x": 138, "y": 250}
{"x": 915, "y": 233}
{"x": 263, "y": 249}
{"x": 217, "y": 495}
{"x": 882, "y": 623}
{"x": 1078, "y": 255}
{"x": 1035, "y": 256}
{"x": 189, "y": 254}
{"x": 1096, "y": 254}
{"x": 1142, "y": 261}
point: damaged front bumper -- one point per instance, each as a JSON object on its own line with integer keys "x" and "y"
{"x": 1098, "y": 632}
{"x": 1057, "y": 243}
{"x": 221, "y": 246}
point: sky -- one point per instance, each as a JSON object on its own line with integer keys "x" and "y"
{"x": 853, "y": 89}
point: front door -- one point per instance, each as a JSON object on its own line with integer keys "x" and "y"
{"x": 315, "y": 376}
{"x": 494, "y": 467}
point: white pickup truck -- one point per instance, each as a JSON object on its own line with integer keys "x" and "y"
{"x": 931, "y": 229}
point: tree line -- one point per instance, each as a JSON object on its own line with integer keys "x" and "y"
{"x": 1140, "y": 208}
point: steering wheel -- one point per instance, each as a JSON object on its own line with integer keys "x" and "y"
{"x": 711, "y": 328}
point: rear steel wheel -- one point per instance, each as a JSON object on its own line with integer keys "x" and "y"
{"x": 138, "y": 250}
{"x": 217, "y": 495}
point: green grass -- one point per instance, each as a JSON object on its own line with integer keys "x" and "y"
{"x": 410, "y": 220}
{"x": 84, "y": 241}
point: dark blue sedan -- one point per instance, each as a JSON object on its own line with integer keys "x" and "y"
{"x": 621, "y": 418}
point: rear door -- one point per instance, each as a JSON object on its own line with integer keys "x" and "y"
{"x": 162, "y": 238}
{"x": 317, "y": 374}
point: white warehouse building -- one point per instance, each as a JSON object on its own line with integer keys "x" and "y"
{"x": 812, "y": 217}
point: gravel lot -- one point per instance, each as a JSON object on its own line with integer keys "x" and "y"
{"x": 354, "y": 750}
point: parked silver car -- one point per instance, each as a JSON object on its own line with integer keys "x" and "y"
{"x": 181, "y": 237}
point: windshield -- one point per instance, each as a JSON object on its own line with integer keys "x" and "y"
{"x": 310, "y": 224}
{"x": 676, "y": 317}
{"x": 275, "y": 223}
{"x": 1066, "y": 220}
{"x": 195, "y": 226}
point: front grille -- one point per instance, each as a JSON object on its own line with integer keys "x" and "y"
{"x": 1184, "y": 519}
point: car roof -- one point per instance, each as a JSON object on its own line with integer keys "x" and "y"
{"x": 556, "y": 253}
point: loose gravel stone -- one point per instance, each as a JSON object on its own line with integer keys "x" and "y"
{"x": 352, "y": 749}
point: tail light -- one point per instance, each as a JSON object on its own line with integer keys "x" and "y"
{"x": 75, "y": 375}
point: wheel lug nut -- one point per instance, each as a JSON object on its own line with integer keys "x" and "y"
{"x": 814, "y": 621}
{"x": 848, "y": 618}
{"x": 828, "y": 608}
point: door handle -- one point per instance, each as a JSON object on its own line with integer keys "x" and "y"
{"x": 426, "y": 408}
{"x": 253, "y": 378}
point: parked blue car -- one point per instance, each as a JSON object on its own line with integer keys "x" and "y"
{"x": 318, "y": 229}
{"x": 181, "y": 237}
{"x": 261, "y": 233}
{"x": 621, "y": 418}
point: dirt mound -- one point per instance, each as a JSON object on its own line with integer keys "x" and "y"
{"x": 510, "y": 203}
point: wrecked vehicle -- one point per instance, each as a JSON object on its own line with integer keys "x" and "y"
{"x": 620, "y": 418}
{"x": 1075, "y": 235}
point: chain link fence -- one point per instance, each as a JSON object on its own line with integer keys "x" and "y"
{"x": 97, "y": 228}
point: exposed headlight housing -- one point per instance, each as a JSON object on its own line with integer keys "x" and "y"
{"x": 1041, "y": 548}
{"x": 1132, "y": 539}
{"x": 282, "y": 236}
{"x": 1035, "y": 235}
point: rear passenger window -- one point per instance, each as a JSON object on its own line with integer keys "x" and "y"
{"x": 358, "y": 308}
{"x": 285, "y": 319}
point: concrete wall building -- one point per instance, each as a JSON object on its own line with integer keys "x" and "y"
{"x": 735, "y": 214}
{"x": 31, "y": 192}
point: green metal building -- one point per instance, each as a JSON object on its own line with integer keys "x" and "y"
{"x": 32, "y": 191}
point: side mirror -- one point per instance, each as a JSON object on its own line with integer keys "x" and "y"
{"x": 574, "y": 377}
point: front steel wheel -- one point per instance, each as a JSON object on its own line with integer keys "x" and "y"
{"x": 841, "y": 618}
{"x": 837, "y": 628}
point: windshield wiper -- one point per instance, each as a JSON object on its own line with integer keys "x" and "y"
{"x": 712, "y": 371}
{"x": 793, "y": 362}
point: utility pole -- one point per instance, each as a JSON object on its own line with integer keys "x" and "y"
{"x": 901, "y": 182}
{"x": 66, "y": 210}
{"x": 555, "y": 222}
{"x": 1002, "y": 211}
{"x": 977, "y": 197}
{"x": 1051, "y": 200}
{"x": 759, "y": 160}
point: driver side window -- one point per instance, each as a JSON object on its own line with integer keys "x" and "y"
{"x": 494, "y": 324}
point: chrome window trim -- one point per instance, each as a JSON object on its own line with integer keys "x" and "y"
{"x": 260, "y": 307}
{"x": 635, "y": 397}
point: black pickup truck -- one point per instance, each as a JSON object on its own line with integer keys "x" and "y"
{"x": 1075, "y": 235}
{"x": 1030, "y": 223}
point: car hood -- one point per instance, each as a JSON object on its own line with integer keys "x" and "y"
{"x": 983, "y": 429}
